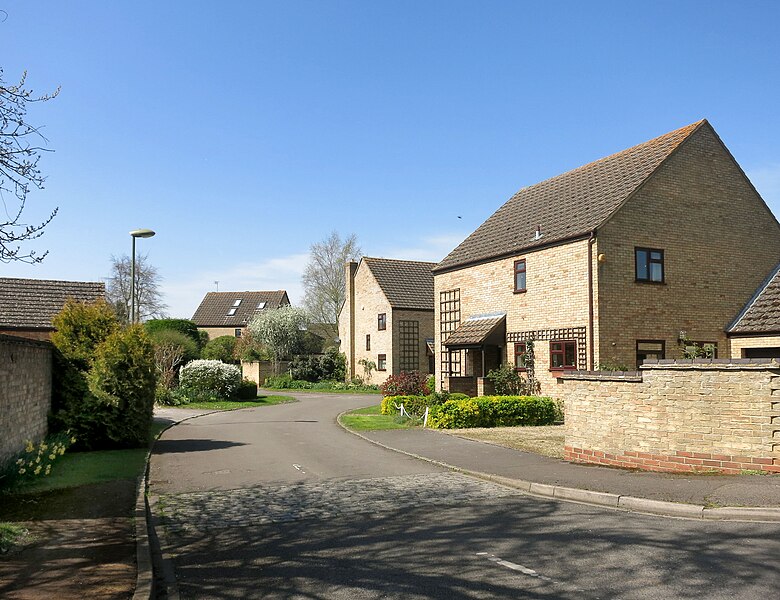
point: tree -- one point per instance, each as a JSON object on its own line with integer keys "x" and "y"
{"x": 280, "y": 330}
{"x": 148, "y": 298}
{"x": 324, "y": 280}
{"x": 19, "y": 172}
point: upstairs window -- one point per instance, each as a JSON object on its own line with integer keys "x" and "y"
{"x": 232, "y": 310}
{"x": 563, "y": 354}
{"x": 519, "y": 276}
{"x": 381, "y": 321}
{"x": 649, "y": 265}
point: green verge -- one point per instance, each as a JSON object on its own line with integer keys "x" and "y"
{"x": 75, "y": 469}
{"x": 371, "y": 419}
{"x": 236, "y": 404}
{"x": 323, "y": 391}
{"x": 10, "y": 534}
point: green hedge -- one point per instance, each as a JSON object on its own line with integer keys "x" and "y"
{"x": 415, "y": 405}
{"x": 494, "y": 411}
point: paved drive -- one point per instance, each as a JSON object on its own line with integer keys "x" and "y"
{"x": 279, "y": 502}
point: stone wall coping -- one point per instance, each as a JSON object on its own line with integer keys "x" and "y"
{"x": 711, "y": 363}
{"x": 626, "y": 376}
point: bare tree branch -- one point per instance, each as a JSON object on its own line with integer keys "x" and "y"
{"x": 148, "y": 298}
{"x": 324, "y": 281}
{"x": 19, "y": 170}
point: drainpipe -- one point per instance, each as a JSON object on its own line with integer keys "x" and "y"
{"x": 591, "y": 336}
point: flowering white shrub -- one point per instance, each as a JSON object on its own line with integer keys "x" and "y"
{"x": 211, "y": 376}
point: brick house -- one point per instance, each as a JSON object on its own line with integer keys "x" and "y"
{"x": 755, "y": 333}
{"x": 387, "y": 317}
{"x": 228, "y": 313}
{"x": 27, "y": 306}
{"x": 608, "y": 264}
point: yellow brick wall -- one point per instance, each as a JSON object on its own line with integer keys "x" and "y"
{"x": 677, "y": 418}
{"x": 719, "y": 242}
{"x": 215, "y": 332}
{"x": 556, "y": 297}
{"x": 737, "y": 344}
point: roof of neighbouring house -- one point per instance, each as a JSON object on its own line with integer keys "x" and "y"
{"x": 407, "y": 284}
{"x": 567, "y": 206}
{"x": 236, "y": 309}
{"x": 32, "y": 303}
{"x": 762, "y": 312}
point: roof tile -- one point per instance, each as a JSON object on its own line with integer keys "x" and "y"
{"x": 407, "y": 284}
{"x": 31, "y": 303}
{"x": 567, "y": 206}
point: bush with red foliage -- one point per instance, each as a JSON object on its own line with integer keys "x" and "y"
{"x": 406, "y": 383}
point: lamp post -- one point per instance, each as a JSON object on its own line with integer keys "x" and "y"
{"x": 136, "y": 233}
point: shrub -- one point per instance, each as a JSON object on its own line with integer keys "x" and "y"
{"x": 508, "y": 382}
{"x": 211, "y": 376}
{"x": 406, "y": 383}
{"x": 221, "y": 348}
{"x": 171, "y": 350}
{"x": 81, "y": 328}
{"x": 414, "y": 405}
{"x": 247, "y": 390}
{"x": 123, "y": 378}
{"x": 431, "y": 383}
{"x": 306, "y": 368}
{"x": 494, "y": 411}
{"x": 183, "y": 326}
{"x": 333, "y": 364}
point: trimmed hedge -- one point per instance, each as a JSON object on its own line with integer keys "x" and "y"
{"x": 416, "y": 405}
{"x": 494, "y": 411}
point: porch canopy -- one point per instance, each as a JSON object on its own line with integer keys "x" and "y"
{"x": 479, "y": 331}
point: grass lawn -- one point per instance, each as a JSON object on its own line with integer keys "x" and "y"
{"x": 370, "y": 418}
{"x": 74, "y": 469}
{"x": 9, "y": 535}
{"x": 236, "y": 404}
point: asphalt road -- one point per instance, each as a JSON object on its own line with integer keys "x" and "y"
{"x": 279, "y": 502}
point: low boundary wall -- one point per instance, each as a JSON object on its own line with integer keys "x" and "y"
{"x": 25, "y": 392}
{"x": 676, "y": 416}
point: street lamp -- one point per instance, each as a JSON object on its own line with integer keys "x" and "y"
{"x": 136, "y": 233}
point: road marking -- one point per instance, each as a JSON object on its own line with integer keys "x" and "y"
{"x": 514, "y": 566}
{"x": 300, "y": 468}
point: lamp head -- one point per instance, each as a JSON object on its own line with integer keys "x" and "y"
{"x": 142, "y": 233}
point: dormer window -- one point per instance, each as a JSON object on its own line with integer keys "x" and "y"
{"x": 260, "y": 305}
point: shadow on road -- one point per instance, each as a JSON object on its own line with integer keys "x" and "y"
{"x": 174, "y": 446}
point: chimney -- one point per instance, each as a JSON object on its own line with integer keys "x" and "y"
{"x": 349, "y": 302}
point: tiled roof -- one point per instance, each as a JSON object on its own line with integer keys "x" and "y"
{"x": 762, "y": 313}
{"x": 215, "y": 307}
{"x": 31, "y": 303}
{"x": 567, "y": 206}
{"x": 407, "y": 284}
{"x": 474, "y": 330}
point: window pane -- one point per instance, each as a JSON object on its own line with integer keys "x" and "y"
{"x": 641, "y": 264}
{"x": 570, "y": 355}
{"x": 520, "y": 280}
{"x": 556, "y": 360}
{"x": 655, "y": 256}
{"x": 555, "y": 347}
{"x": 656, "y": 272}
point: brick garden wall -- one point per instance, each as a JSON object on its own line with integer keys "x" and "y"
{"x": 676, "y": 416}
{"x": 25, "y": 392}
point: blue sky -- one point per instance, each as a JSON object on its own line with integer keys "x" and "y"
{"x": 242, "y": 132}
